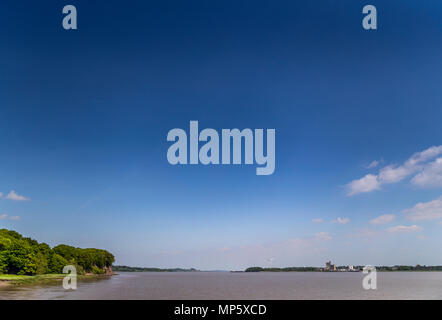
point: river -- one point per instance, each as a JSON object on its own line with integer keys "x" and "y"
{"x": 227, "y": 285}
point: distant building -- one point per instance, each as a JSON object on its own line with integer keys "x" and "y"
{"x": 332, "y": 267}
{"x": 329, "y": 266}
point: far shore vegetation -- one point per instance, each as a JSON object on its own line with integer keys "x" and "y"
{"x": 142, "y": 269}
{"x": 24, "y": 260}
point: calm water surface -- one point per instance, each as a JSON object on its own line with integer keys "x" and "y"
{"x": 226, "y": 285}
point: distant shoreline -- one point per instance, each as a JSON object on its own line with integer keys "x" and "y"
{"x": 397, "y": 268}
{"x": 146, "y": 269}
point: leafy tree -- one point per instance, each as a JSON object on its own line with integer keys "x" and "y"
{"x": 56, "y": 263}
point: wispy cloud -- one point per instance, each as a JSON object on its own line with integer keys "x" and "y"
{"x": 1, "y": 194}
{"x": 16, "y": 197}
{"x": 366, "y": 234}
{"x": 325, "y": 236}
{"x": 431, "y": 210}
{"x": 427, "y": 174}
{"x": 5, "y": 216}
{"x": 286, "y": 253}
{"x": 341, "y": 220}
{"x": 317, "y": 220}
{"x": 372, "y": 164}
{"x": 431, "y": 175}
{"x": 404, "y": 229}
{"x": 383, "y": 219}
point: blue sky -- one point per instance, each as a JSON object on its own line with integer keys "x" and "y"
{"x": 85, "y": 115}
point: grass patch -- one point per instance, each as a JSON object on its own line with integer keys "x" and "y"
{"x": 40, "y": 279}
{"x": 12, "y": 277}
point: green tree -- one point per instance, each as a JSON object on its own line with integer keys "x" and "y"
{"x": 25, "y": 256}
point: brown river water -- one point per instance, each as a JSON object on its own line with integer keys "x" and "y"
{"x": 227, "y": 285}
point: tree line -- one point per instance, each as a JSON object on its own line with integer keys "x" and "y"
{"x": 25, "y": 256}
{"x": 288, "y": 269}
{"x": 143, "y": 269}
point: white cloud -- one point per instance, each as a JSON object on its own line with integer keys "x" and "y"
{"x": 1, "y": 194}
{"x": 431, "y": 175}
{"x": 417, "y": 163}
{"x": 317, "y": 220}
{"x": 425, "y": 155}
{"x": 323, "y": 236}
{"x": 366, "y": 184}
{"x": 14, "y": 218}
{"x": 341, "y": 220}
{"x": 393, "y": 173}
{"x": 372, "y": 164}
{"x": 386, "y": 218}
{"x": 431, "y": 210}
{"x": 3, "y": 216}
{"x": 14, "y": 196}
{"x": 404, "y": 229}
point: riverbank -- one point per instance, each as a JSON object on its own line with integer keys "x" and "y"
{"x": 7, "y": 280}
